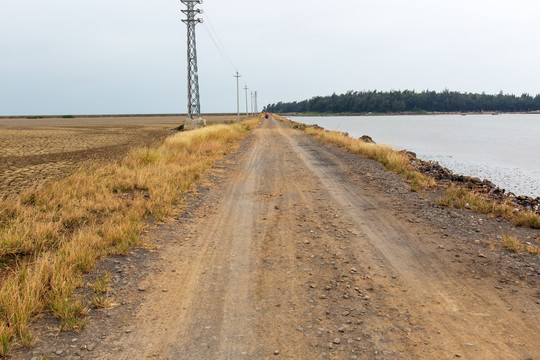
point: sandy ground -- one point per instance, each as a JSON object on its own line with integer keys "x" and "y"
{"x": 301, "y": 251}
{"x": 36, "y": 151}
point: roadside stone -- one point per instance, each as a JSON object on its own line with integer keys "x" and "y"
{"x": 337, "y": 341}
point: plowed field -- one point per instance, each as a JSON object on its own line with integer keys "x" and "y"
{"x": 35, "y": 151}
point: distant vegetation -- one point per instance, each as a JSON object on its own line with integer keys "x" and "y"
{"x": 409, "y": 101}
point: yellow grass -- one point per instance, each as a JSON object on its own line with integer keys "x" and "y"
{"x": 392, "y": 159}
{"x": 101, "y": 285}
{"x": 461, "y": 198}
{"x": 527, "y": 219}
{"x": 512, "y": 243}
{"x": 102, "y": 302}
{"x": 50, "y": 236}
{"x": 533, "y": 249}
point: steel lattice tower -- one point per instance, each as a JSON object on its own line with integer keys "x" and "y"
{"x": 194, "y": 105}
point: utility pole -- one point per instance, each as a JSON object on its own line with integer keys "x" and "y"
{"x": 194, "y": 105}
{"x": 247, "y": 109}
{"x": 237, "y": 76}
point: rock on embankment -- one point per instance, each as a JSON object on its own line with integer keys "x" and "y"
{"x": 439, "y": 173}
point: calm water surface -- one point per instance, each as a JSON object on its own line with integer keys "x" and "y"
{"x": 502, "y": 148}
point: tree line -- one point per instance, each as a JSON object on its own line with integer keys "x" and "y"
{"x": 409, "y": 102}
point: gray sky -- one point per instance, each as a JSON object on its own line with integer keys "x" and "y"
{"x": 129, "y": 56}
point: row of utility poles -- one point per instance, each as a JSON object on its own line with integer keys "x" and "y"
{"x": 254, "y": 107}
{"x": 253, "y": 96}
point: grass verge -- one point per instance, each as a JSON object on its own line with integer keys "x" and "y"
{"x": 49, "y": 237}
{"x": 461, "y": 198}
{"x": 390, "y": 158}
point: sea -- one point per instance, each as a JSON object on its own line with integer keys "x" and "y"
{"x": 503, "y": 148}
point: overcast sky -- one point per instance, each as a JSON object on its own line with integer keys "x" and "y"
{"x": 129, "y": 56}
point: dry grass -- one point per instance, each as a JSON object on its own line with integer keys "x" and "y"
{"x": 392, "y": 159}
{"x": 527, "y": 219}
{"x": 5, "y": 340}
{"x": 512, "y": 243}
{"x": 100, "y": 288}
{"x": 58, "y": 232}
{"x": 101, "y": 285}
{"x": 102, "y": 302}
{"x": 533, "y": 249}
{"x": 461, "y": 198}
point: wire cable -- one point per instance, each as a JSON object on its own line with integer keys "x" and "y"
{"x": 207, "y": 17}
{"x": 230, "y": 66}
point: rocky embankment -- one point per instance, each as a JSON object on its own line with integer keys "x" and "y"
{"x": 442, "y": 174}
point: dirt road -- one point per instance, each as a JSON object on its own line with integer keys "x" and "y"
{"x": 305, "y": 252}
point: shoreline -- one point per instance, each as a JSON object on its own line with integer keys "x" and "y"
{"x": 444, "y": 176}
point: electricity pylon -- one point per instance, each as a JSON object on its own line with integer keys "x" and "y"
{"x": 194, "y": 105}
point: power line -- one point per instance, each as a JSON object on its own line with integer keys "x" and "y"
{"x": 219, "y": 41}
{"x": 222, "y": 50}
{"x": 229, "y": 65}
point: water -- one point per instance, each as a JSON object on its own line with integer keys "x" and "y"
{"x": 504, "y": 149}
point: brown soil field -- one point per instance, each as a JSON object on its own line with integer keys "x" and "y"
{"x": 35, "y": 151}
